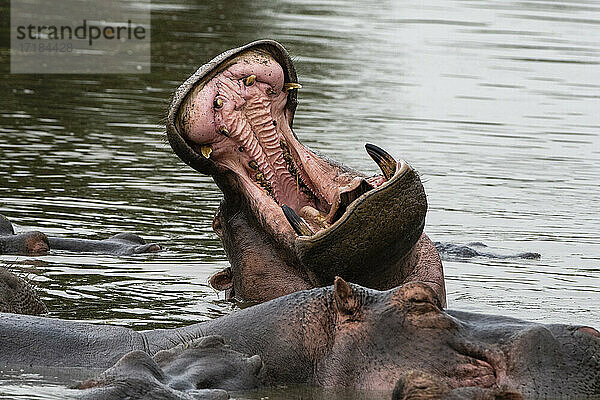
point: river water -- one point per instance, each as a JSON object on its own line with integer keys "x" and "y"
{"x": 496, "y": 104}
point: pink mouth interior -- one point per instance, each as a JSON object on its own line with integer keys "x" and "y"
{"x": 244, "y": 122}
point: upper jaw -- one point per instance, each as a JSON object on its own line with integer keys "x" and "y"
{"x": 233, "y": 176}
{"x": 180, "y": 145}
{"x": 203, "y": 136}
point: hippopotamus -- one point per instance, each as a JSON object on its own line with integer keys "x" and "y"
{"x": 196, "y": 369}
{"x": 24, "y": 243}
{"x": 293, "y": 219}
{"x": 37, "y": 243}
{"x": 344, "y": 335}
{"x": 18, "y": 295}
{"x": 478, "y": 249}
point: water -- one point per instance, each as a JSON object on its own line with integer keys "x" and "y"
{"x": 496, "y": 104}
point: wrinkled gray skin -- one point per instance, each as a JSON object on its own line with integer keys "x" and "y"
{"x": 478, "y": 249}
{"x": 37, "y": 243}
{"x": 197, "y": 370}
{"x": 345, "y": 336}
{"x": 120, "y": 244}
{"x": 377, "y": 242}
{"x": 417, "y": 385}
{"x": 19, "y": 296}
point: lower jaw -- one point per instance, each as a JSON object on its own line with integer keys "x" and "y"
{"x": 312, "y": 199}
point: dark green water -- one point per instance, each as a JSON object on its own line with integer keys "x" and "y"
{"x": 497, "y": 104}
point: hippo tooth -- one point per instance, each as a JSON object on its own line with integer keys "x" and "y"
{"x": 386, "y": 163}
{"x": 299, "y": 225}
{"x": 206, "y": 151}
{"x": 249, "y": 81}
{"x": 314, "y": 216}
{"x": 291, "y": 85}
{"x": 224, "y": 131}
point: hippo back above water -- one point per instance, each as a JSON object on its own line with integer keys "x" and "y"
{"x": 346, "y": 336}
{"x": 37, "y": 243}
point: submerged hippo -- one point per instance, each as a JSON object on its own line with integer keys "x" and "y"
{"x": 31, "y": 243}
{"x": 345, "y": 336}
{"x": 292, "y": 219}
{"x": 18, "y": 295}
{"x": 37, "y": 243}
{"x": 198, "y": 369}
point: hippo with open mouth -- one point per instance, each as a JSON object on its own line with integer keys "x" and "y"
{"x": 292, "y": 219}
{"x": 282, "y": 238}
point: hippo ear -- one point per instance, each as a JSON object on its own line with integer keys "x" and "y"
{"x": 222, "y": 280}
{"x": 346, "y": 300}
{"x": 6, "y": 227}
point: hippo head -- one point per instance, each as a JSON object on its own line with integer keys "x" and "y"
{"x": 290, "y": 219}
{"x": 378, "y": 339}
{"x": 201, "y": 368}
{"x": 28, "y": 243}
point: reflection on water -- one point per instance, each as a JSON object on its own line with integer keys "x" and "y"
{"x": 496, "y": 104}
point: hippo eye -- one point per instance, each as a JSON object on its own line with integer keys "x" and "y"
{"x": 218, "y": 103}
{"x": 249, "y": 80}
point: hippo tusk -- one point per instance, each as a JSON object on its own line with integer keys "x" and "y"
{"x": 206, "y": 151}
{"x": 249, "y": 81}
{"x": 224, "y": 131}
{"x": 299, "y": 224}
{"x": 291, "y": 85}
{"x": 386, "y": 163}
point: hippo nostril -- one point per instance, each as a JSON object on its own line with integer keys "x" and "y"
{"x": 419, "y": 300}
{"x": 589, "y": 330}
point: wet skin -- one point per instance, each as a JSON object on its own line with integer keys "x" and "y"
{"x": 37, "y": 243}
{"x": 23, "y": 243}
{"x": 19, "y": 296}
{"x": 345, "y": 336}
{"x": 478, "y": 249}
{"x": 199, "y": 370}
{"x": 292, "y": 219}
{"x": 417, "y": 385}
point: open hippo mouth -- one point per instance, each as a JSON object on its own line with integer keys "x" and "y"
{"x": 233, "y": 120}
